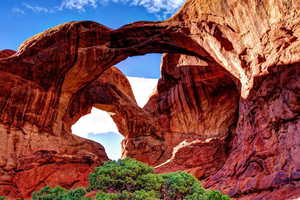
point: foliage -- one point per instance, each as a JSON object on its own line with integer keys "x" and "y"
{"x": 213, "y": 195}
{"x": 129, "y": 179}
{"x": 181, "y": 184}
{"x": 146, "y": 195}
{"x": 133, "y": 180}
{"x": 2, "y": 198}
{"x": 59, "y": 193}
{"x": 118, "y": 175}
{"x": 150, "y": 182}
{"x": 106, "y": 196}
{"x": 125, "y": 195}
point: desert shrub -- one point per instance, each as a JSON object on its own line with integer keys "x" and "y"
{"x": 118, "y": 175}
{"x": 59, "y": 193}
{"x": 179, "y": 185}
{"x": 106, "y": 196}
{"x": 207, "y": 195}
{"x": 125, "y": 195}
{"x": 129, "y": 179}
{"x": 215, "y": 195}
{"x": 146, "y": 195}
{"x": 133, "y": 180}
{"x": 48, "y": 193}
{"x": 150, "y": 182}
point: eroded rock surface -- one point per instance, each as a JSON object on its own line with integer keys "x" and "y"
{"x": 33, "y": 153}
{"x": 226, "y": 107}
{"x": 194, "y": 110}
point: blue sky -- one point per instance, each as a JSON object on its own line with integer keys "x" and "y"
{"x": 110, "y": 141}
{"x": 99, "y": 126}
{"x": 21, "y": 19}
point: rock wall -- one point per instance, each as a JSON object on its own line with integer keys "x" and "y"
{"x": 53, "y": 80}
{"x": 193, "y": 112}
{"x": 226, "y": 107}
{"x": 33, "y": 153}
{"x": 265, "y": 155}
{"x": 257, "y": 43}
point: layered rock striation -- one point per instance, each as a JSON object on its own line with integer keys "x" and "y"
{"x": 34, "y": 153}
{"x": 226, "y": 107}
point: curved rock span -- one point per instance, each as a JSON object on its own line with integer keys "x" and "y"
{"x": 225, "y": 109}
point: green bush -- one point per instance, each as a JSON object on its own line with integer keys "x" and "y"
{"x": 118, "y": 175}
{"x": 146, "y": 195}
{"x": 106, "y": 196}
{"x": 150, "y": 182}
{"x": 133, "y": 180}
{"x": 181, "y": 184}
{"x": 59, "y": 193}
{"x": 129, "y": 179}
{"x": 2, "y": 198}
{"x": 125, "y": 195}
{"x": 215, "y": 195}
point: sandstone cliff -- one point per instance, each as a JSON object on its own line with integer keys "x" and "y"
{"x": 226, "y": 107}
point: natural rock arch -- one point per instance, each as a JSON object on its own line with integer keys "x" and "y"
{"x": 254, "y": 153}
{"x": 40, "y": 82}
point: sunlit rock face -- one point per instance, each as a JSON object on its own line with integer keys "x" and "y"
{"x": 254, "y": 153}
{"x": 194, "y": 110}
{"x": 258, "y": 43}
{"x": 49, "y": 83}
{"x": 34, "y": 151}
{"x": 226, "y": 107}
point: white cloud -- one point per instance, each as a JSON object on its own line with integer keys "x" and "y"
{"x": 153, "y": 6}
{"x": 161, "y": 8}
{"x": 18, "y": 11}
{"x": 142, "y": 88}
{"x": 78, "y": 4}
{"x": 38, "y": 9}
{"x": 99, "y": 121}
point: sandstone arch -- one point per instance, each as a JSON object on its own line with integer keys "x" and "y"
{"x": 249, "y": 49}
{"x": 39, "y": 87}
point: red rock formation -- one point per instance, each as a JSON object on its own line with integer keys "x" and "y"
{"x": 194, "y": 110}
{"x": 258, "y": 44}
{"x": 34, "y": 154}
{"x": 6, "y": 53}
{"x": 264, "y": 161}
{"x": 226, "y": 107}
{"x": 40, "y": 85}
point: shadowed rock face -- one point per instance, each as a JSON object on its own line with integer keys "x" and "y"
{"x": 32, "y": 154}
{"x": 226, "y": 108}
{"x": 194, "y": 110}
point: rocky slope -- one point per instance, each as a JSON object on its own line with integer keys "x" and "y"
{"x": 226, "y": 107}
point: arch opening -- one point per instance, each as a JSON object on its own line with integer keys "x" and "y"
{"x": 113, "y": 88}
{"x": 100, "y": 127}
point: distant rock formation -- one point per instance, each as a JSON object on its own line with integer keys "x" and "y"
{"x": 226, "y": 107}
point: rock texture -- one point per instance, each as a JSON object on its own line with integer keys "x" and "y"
{"x": 42, "y": 85}
{"x": 33, "y": 153}
{"x": 193, "y": 110}
{"x": 226, "y": 107}
{"x": 253, "y": 153}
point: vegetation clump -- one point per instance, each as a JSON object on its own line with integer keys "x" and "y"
{"x": 59, "y": 193}
{"x": 129, "y": 179}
